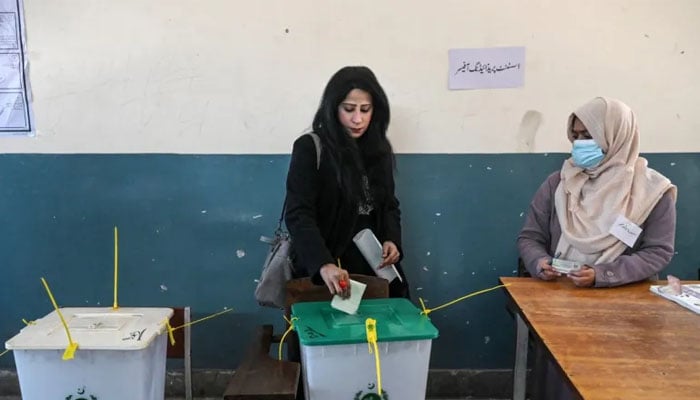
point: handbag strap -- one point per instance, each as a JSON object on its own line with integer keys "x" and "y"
{"x": 317, "y": 145}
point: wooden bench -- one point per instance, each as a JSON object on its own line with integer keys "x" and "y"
{"x": 260, "y": 377}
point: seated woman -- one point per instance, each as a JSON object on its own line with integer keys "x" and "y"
{"x": 591, "y": 211}
{"x": 605, "y": 210}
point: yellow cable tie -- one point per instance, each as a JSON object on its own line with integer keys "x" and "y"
{"x": 203, "y": 319}
{"x": 72, "y": 346}
{"x": 291, "y": 327}
{"x": 28, "y": 322}
{"x": 170, "y": 332}
{"x": 116, "y": 267}
{"x": 371, "y": 329}
{"x": 4, "y": 352}
{"x": 69, "y": 354}
{"x": 427, "y": 311}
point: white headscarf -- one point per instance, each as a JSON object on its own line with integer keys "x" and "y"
{"x": 588, "y": 201}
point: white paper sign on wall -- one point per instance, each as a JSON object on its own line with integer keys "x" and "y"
{"x": 486, "y": 68}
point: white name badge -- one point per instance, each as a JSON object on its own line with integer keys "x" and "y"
{"x": 625, "y": 230}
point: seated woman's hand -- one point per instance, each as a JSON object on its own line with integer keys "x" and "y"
{"x": 545, "y": 270}
{"x": 390, "y": 254}
{"x": 333, "y": 276}
{"x": 584, "y": 277}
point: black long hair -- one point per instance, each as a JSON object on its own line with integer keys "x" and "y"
{"x": 366, "y": 155}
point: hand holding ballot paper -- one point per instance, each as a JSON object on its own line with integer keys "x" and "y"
{"x": 350, "y": 304}
{"x": 372, "y": 251}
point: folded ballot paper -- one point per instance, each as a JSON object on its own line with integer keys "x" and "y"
{"x": 371, "y": 249}
{"x": 686, "y": 295}
{"x": 352, "y": 303}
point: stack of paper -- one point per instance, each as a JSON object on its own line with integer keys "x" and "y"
{"x": 689, "y": 297}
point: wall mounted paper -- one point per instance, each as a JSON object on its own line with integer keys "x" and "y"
{"x": 487, "y": 68}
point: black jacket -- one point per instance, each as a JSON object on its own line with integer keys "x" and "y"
{"x": 319, "y": 217}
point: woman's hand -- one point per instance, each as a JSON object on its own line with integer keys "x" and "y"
{"x": 584, "y": 277}
{"x": 390, "y": 254}
{"x": 333, "y": 276}
{"x": 545, "y": 270}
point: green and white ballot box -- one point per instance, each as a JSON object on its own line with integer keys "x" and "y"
{"x": 335, "y": 350}
{"x": 120, "y": 354}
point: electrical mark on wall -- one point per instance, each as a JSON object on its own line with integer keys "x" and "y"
{"x": 257, "y": 216}
{"x": 163, "y": 288}
{"x": 527, "y": 131}
{"x": 427, "y": 254}
{"x": 203, "y": 211}
{"x": 673, "y": 164}
{"x": 521, "y": 214}
{"x": 487, "y": 339}
{"x": 240, "y": 253}
{"x": 426, "y": 268}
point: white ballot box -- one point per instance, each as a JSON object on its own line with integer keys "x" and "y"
{"x": 121, "y": 355}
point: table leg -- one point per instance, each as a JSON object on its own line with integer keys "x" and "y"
{"x": 520, "y": 369}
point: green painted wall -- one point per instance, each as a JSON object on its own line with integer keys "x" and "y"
{"x": 189, "y": 228}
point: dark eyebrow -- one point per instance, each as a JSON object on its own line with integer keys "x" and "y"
{"x": 355, "y": 104}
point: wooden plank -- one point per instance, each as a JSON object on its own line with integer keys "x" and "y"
{"x": 261, "y": 377}
{"x": 617, "y": 343}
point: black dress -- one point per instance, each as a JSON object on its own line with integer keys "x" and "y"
{"x": 322, "y": 221}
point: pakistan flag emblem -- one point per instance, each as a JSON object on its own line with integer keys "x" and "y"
{"x": 81, "y": 395}
{"x": 371, "y": 394}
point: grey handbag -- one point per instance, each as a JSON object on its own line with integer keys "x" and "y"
{"x": 277, "y": 268}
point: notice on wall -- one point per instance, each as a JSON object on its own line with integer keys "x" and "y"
{"x": 15, "y": 95}
{"x": 486, "y": 68}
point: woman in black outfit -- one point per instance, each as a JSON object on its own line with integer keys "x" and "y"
{"x": 351, "y": 189}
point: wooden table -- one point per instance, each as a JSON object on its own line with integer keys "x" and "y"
{"x": 619, "y": 343}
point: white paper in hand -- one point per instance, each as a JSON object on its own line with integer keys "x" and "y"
{"x": 352, "y": 303}
{"x": 371, "y": 250}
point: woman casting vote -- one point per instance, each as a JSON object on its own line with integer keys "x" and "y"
{"x": 351, "y": 189}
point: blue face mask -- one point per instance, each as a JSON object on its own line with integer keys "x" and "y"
{"x": 586, "y": 153}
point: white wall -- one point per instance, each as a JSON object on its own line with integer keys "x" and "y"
{"x": 224, "y": 76}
